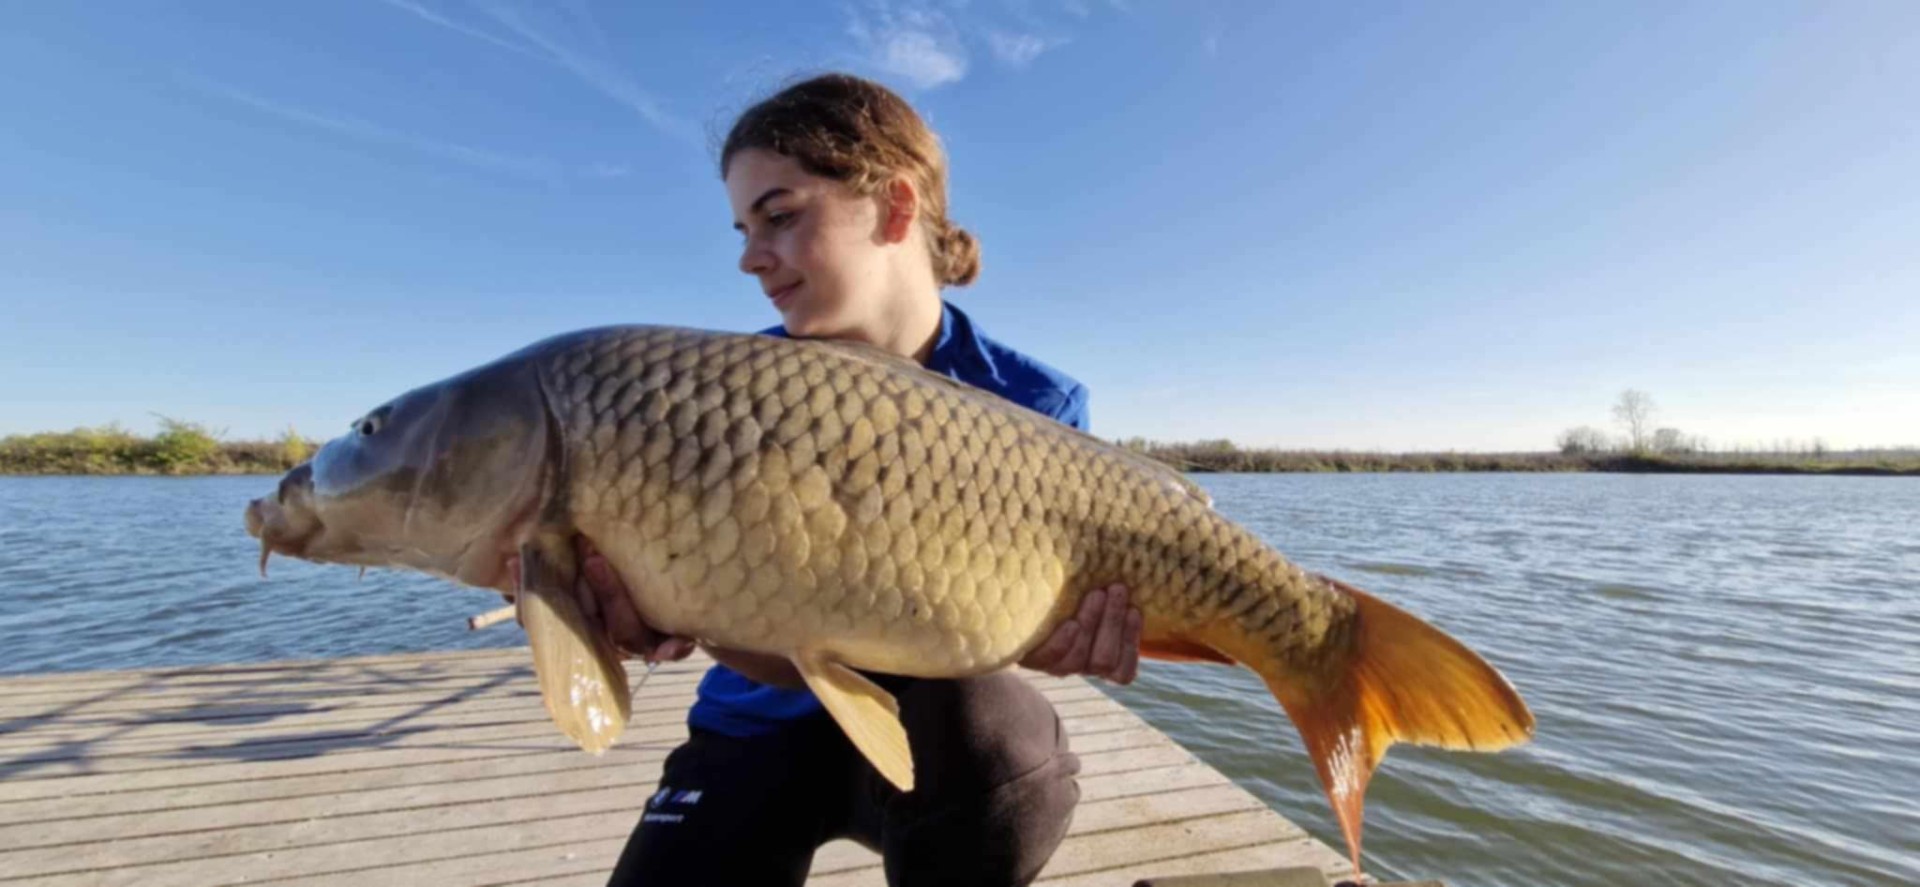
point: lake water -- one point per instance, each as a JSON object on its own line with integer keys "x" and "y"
{"x": 1726, "y": 670}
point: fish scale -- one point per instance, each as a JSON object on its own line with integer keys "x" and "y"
{"x": 846, "y": 509}
{"x": 814, "y": 476}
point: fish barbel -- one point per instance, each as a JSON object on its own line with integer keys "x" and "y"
{"x": 844, "y": 508}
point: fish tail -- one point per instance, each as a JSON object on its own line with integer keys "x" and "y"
{"x": 1400, "y": 680}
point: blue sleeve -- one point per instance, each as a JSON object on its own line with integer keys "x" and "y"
{"x": 1072, "y": 409}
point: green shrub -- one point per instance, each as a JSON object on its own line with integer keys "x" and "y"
{"x": 182, "y": 447}
{"x": 294, "y": 449}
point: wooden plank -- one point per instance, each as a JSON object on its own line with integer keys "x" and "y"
{"x": 409, "y": 750}
{"x": 447, "y": 658}
{"x": 414, "y": 772}
{"x": 371, "y": 672}
{"x": 344, "y": 673}
{"x": 253, "y": 720}
{"x": 247, "y": 710}
{"x": 1068, "y": 701}
{"x": 51, "y": 718}
{"x": 611, "y": 810}
{"x": 62, "y": 703}
{"x": 148, "y": 836}
{"x": 445, "y": 769}
{"x": 118, "y": 752}
{"x": 70, "y": 759}
{"x": 1276, "y": 854}
{"x": 135, "y": 802}
{"x": 591, "y": 860}
{"x": 289, "y": 686}
{"x": 19, "y": 774}
{"x": 174, "y": 704}
{"x": 356, "y": 752}
{"x": 327, "y": 847}
{"x": 1118, "y": 813}
{"x": 839, "y": 857}
{"x": 1299, "y": 851}
{"x": 163, "y": 697}
{"x": 1127, "y": 848}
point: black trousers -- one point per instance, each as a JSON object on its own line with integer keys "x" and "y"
{"x": 993, "y": 792}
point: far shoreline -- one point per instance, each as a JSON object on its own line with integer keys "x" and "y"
{"x": 1293, "y": 463}
{"x": 187, "y": 449}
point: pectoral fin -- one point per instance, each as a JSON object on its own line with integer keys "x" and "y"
{"x": 867, "y": 713}
{"x": 581, "y": 680}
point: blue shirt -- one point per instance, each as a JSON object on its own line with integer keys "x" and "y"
{"x": 727, "y": 702}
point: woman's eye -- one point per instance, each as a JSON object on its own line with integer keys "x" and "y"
{"x": 779, "y": 220}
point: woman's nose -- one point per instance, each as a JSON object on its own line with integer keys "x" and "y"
{"x": 756, "y": 259}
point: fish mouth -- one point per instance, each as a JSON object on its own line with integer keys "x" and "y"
{"x": 271, "y": 523}
{"x": 283, "y": 522}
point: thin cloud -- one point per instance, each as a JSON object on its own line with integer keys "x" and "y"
{"x": 573, "y": 44}
{"x": 1017, "y": 50}
{"x": 924, "y": 42}
{"x": 1083, "y": 9}
{"x": 916, "y": 43}
{"x": 364, "y": 131}
{"x": 436, "y": 18}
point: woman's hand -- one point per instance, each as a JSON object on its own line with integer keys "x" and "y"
{"x": 605, "y": 598}
{"x": 1102, "y": 639}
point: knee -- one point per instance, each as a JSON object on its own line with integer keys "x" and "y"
{"x": 1041, "y": 801}
{"x": 995, "y": 784}
{"x": 971, "y": 736}
{"x": 1002, "y": 837}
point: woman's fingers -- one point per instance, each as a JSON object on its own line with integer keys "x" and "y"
{"x": 604, "y": 594}
{"x": 1074, "y": 660}
{"x": 1130, "y": 648}
{"x": 1056, "y": 654}
{"x": 1107, "y": 655}
{"x": 1051, "y": 652}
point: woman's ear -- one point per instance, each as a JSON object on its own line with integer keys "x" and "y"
{"x": 901, "y": 205}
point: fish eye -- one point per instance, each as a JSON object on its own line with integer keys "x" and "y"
{"x": 371, "y": 424}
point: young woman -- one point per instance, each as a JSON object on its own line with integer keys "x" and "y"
{"x": 840, "y": 192}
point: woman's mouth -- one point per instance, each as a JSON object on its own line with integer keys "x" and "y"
{"x": 784, "y": 294}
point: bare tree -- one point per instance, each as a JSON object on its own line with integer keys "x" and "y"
{"x": 1584, "y": 439}
{"x": 1671, "y": 440}
{"x": 1634, "y": 411}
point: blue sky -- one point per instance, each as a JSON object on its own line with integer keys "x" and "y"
{"x": 1378, "y": 226}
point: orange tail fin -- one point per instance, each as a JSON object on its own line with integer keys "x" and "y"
{"x": 1404, "y": 681}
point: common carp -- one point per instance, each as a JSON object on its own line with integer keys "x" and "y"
{"x": 844, "y": 508}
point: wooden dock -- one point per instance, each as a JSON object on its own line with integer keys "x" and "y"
{"x": 443, "y": 769}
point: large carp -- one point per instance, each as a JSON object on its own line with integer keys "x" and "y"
{"x": 846, "y": 509}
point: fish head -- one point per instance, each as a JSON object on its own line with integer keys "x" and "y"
{"x": 447, "y": 479}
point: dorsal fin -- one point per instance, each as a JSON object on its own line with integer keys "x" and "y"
{"x": 870, "y": 354}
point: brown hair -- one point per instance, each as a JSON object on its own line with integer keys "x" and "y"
{"x": 860, "y": 133}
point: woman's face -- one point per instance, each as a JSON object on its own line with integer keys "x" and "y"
{"x": 818, "y": 249}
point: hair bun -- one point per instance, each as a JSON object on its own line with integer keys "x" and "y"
{"x": 958, "y": 257}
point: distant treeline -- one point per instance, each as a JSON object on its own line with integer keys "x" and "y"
{"x": 190, "y": 448}
{"x": 1225, "y": 456}
{"x": 179, "y": 448}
